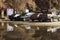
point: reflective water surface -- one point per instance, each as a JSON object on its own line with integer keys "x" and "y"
{"x": 10, "y": 31}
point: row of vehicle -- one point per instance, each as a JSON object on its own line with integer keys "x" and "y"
{"x": 30, "y": 16}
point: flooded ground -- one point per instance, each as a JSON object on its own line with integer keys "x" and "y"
{"x": 25, "y": 32}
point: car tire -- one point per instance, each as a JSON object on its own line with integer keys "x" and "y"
{"x": 32, "y": 20}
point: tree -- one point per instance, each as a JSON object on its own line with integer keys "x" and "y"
{"x": 20, "y": 5}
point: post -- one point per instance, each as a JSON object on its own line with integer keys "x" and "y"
{"x": 2, "y": 14}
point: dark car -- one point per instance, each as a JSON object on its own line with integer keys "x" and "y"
{"x": 36, "y": 16}
{"x": 39, "y": 17}
{"x": 14, "y": 17}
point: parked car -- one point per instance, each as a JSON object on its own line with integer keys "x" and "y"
{"x": 15, "y": 17}
{"x": 39, "y": 17}
{"x": 21, "y": 17}
{"x": 27, "y": 16}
